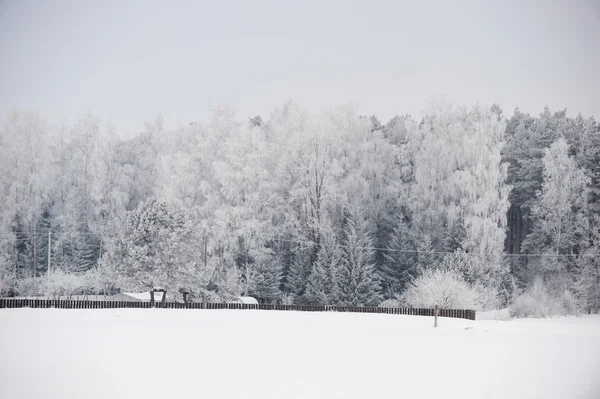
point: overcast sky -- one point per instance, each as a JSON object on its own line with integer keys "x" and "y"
{"x": 128, "y": 60}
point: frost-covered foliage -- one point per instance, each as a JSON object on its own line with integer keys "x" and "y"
{"x": 559, "y": 212}
{"x": 458, "y": 278}
{"x": 31, "y": 286}
{"x": 438, "y": 287}
{"x": 358, "y": 281}
{"x": 539, "y": 301}
{"x": 159, "y": 247}
{"x": 459, "y": 177}
{"x": 8, "y": 276}
{"x": 260, "y": 206}
{"x": 587, "y": 284}
{"x": 323, "y": 282}
{"x": 58, "y": 283}
{"x": 587, "y": 271}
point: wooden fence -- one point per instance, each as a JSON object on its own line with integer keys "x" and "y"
{"x": 88, "y": 304}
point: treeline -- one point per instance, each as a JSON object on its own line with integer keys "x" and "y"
{"x": 462, "y": 208}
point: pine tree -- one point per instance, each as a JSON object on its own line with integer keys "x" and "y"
{"x": 297, "y": 277}
{"x": 587, "y": 284}
{"x": 527, "y": 138}
{"x": 322, "y": 287}
{"x": 455, "y": 236}
{"x": 398, "y": 266}
{"x": 358, "y": 281}
{"x": 426, "y": 257}
{"x": 268, "y": 286}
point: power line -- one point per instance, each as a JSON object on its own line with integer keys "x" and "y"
{"x": 306, "y": 242}
{"x": 416, "y": 251}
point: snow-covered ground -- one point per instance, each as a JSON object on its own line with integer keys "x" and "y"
{"x": 160, "y": 353}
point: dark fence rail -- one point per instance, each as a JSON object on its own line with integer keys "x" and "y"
{"x": 88, "y": 304}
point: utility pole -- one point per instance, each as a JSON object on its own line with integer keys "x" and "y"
{"x": 49, "y": 258}
{"x": 205, "y": 268}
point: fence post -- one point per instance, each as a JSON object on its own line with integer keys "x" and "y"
{"x": 435, "y": 310}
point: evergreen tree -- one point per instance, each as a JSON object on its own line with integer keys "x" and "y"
{"x": 297, "y": 277}
{"x": 268, "y": 286}
{"x": 426, "y": 256}
{"x": 399, "y": 266}
{"x": 359, "y": 284}
{"x": 322, "y": 287}
{"x": 455, "y": 236}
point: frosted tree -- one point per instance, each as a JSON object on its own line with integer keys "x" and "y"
{"x": 440, "y": 287}
{"x": 8, "y": 275}
{"x": 324, "y": 279}
{"x": 587, "y": 285}
{"x": 455, "y": 236}
{"x": 243, "y": 218}
{"x": 297, "y": 276}
{"x": 358, "y": 280}
{"x": 159, "y": 248}
{"x": 109, "y": 188}
{"x": 268, "y": 287}
{"x": 400, "y": 264}
{"x": 427, "y": 258}
{"x": 306, "y": 175}
{"x": 460, "y": 178}
{"x": 587, "y": 271}
{"x": 314, "y": 186}
{"x": 26, "y": 182}
{"x": 557, "y": 225}
{"x": 585, "y": 148}
{"x": 76, "y": 245}
{"x": 526, "y": 139}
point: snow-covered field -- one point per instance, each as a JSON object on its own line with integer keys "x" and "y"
{"x": 159, "y": 353}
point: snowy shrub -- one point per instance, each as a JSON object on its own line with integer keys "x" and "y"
{"x": 445, "y": 288}
{"x": 31, "y": 286}
{"x": 60, "y": 283}
{"x": 287, "y": 299}
{"x": 93, "y": 282}
{"x": 486, "y": 297}
{"x": 390, "y": 303}
{"x": 539, "y": 301}
{"x": 7, "y": 277}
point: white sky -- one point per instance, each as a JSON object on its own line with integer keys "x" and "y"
{"x": 128, "y": 60}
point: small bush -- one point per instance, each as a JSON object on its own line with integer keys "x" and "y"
{"x": 538, "y": 301}
{"x": 8, "y": 278}
{"x": 31, "y": 286}
{"x": 60, "y": 283}
{"x": 287, "y": 299}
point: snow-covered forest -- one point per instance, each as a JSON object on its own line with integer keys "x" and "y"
{"x": 461, "y": 208}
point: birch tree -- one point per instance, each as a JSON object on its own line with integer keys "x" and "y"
{"x": 557, "y": 212}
